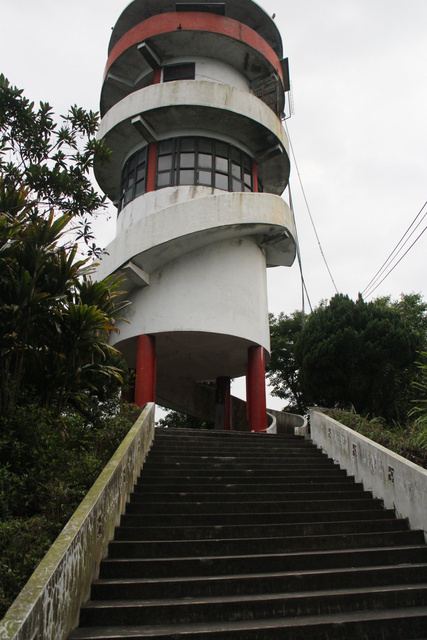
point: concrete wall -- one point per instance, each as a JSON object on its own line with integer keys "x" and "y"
{"x": 216, "y": 71}
{"x": 290, "y": 423}
{"x": 48, "y": 606}
{"x": 199, "y": 400}
{"x": 219, "y": 289}
{"x": 400, "y": 483}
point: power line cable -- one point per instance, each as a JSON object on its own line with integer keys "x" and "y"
{"x": 303, "y": 285}
{"x": 308, "y": 208}
{"x": 395, "y": 265}
{"x": 393, "y": 255}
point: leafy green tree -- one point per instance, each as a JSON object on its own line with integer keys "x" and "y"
{"x": 356, "y": 353}
{"x": 51, "y": 161}
{"x": 282, "y": 370}
{"x": 54, "y": 320}
{"x": 419, "y": 411}
{"x": 350, "y": 354}
{"x": 413, "y": 311}
{"x": 54, "y": 327}
{"x": 178, "y": 420}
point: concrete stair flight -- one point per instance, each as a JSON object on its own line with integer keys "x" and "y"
{"x": 230, "y": 535}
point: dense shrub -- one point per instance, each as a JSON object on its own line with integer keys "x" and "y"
{"x": 47, "y": 467}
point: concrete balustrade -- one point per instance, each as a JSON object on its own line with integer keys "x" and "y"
{"x": 290, "y": 422}
{"x": 400, "y": 483}
{"x": 48, "y": 606}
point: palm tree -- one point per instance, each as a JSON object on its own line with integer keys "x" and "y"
{"x": 54, "y": 320}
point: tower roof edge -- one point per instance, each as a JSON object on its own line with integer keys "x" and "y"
{"x": 246, "y": 11}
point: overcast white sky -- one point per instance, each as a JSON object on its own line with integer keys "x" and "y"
{"x": 359, "y": 129}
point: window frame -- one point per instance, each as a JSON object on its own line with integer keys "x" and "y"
{"x": 226, "y": 160}
{"x": 129, "y": 182}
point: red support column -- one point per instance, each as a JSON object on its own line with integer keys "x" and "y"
{"x": 255, "y": 186}
{"x": 223, "y": 404}
{"x": 146, "y": 364}
{"x": 256, "y": 389}
{"x": 248, "y": 398}
{"x": 151, "y": 167}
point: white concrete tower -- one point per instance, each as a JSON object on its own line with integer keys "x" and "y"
{"x": 191, "y": 104}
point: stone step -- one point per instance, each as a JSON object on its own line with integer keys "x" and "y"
{"x": 229, "y": 440}
{"x": 248, "y": 452}
{"x": 242, "y": 458}
{"x": 227, "y": 519}
{"x": 290, "y": 463}
{"x": 239, "y": 468}
{"x": 361, "y": 625}
{"x": 248, "y": 475}
{"x": 224, "y": 608}
{"x": 323, "y": 503}
{"x": 256, "y": 485}
{"x": 259, "y": 531}
{"x": 216, "y": 565}
{"x": 193, "y": 435}
{"x": 291, "y": 581}
{"x": 290, "y": 494}
{"x": 212, "y": 449}
{"x": 251, "y": 545}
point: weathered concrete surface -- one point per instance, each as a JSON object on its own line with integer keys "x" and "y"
{"x": 290, "y": 422}
{"x": 400, "y": 483}
{"x": 48, "y": 606}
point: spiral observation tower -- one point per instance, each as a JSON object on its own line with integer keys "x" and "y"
{"x": 191, "y": 106}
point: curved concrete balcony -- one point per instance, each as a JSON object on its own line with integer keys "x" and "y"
{"x": 198, "y": 35}
{"x": 164, "y": 225}
{"x": 196, "y": 108}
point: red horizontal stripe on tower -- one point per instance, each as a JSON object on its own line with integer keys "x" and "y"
{"x": 193, "y": 21}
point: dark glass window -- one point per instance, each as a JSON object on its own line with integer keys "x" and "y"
{"x": 184, "y": 71}
{"x": 134, "y": 175}
{"x": 203, "y": 161}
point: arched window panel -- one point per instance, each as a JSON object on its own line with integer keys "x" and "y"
{"x": 188, "y": 161}
{"x": 134, "y": 178}
{"x": 203, "y": 161}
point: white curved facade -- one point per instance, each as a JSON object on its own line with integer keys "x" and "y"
{"x": 210, "y": 108}
{"x": 199, "y": 161}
